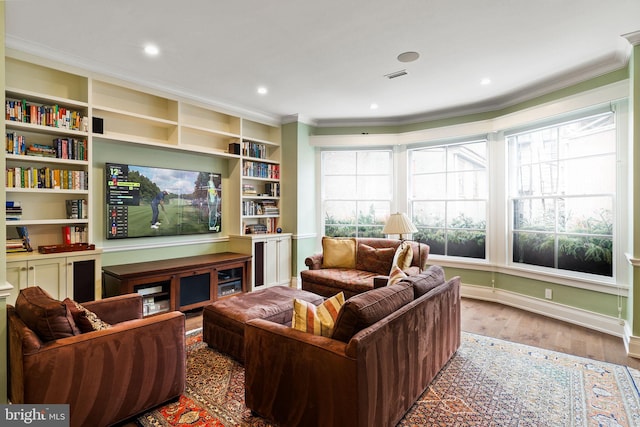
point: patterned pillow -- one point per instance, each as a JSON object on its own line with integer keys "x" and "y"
{"x": 338, "y": 253}
{"x": 318, "y": 320}
{"x": 86, "y": 320}
{"x": 374, "y": 260}
{"x": 403, "y": 256}
{"x": 396, "y": 275}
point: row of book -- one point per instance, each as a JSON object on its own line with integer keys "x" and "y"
{"x": 60, "y": 148}
{"x": 254, "y": 149}
{"x": 72, "y": 234}
{"x": 46, "y": 177}
{"x": 13, "y": 210}
{"x": 77, "y": 209}
{"x": 261, "y": 170}
{"x": 43, "y": 115}
{"x": 267, "y": 225}
{"x": 266, "y": 207}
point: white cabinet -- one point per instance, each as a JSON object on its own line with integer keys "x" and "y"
{"x": 271, "y": 258}
{"x": 75, "y": 276}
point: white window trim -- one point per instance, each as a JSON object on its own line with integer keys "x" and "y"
{"x": 498, "y": 254}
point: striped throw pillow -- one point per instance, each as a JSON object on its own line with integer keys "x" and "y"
{"x": 396, "y": 275}
{"x": 318, "y": 320}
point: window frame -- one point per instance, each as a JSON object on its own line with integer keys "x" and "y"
{"x": 356, "y": 150}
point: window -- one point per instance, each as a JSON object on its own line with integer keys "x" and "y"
{"x": 448, "y": 197}
{"x": 562, "y": 184}
{"x": 356, "y": 192}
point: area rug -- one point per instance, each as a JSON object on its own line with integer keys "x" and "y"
{"x": 488, "y": 382}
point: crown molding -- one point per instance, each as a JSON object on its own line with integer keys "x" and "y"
{"x": 633, "y": 38}
{"x": 579, "y": 74}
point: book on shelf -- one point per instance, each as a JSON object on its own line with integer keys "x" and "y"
{"x": 46, "y": 177}
{"x": 21, "y": 110}
{"x": 23, "y": 233}
{"x": 77, "y": 209}
{"x": 60, "y": 148}
{"x": 248, "y": 189}
{"x": 13, "y": 210}
{"x": 73, "y": 234}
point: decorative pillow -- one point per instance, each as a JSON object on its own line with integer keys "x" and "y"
{"x": 396, "y": 275}
{"x": 363, "y": 310}
{"x": 403, "y": 256}
{"x": 86, "y": 320}
{"x": 317, "y": 320}
{"x": 338, "y": 253}
{"x": 47, "y": 317}
{"x": 374, "y": 260}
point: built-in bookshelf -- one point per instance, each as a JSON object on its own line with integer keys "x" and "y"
{"x": 55, "y": 114}
{"x": 47, "y": 151}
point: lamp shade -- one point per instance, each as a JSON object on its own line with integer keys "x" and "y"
{"x": 399, "y": 223}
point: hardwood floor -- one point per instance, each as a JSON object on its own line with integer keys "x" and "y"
{"x": 512, "y": 324}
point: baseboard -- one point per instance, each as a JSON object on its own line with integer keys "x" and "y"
{"x": 598, "y": 322}
{"x": 631, "y": 342}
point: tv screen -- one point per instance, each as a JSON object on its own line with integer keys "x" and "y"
{"x": 145, "y": 201}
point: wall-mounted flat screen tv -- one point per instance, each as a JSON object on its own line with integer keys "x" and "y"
{"x": 146, "y": 201}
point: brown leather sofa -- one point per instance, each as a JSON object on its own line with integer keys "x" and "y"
{"x": 388, "y": 345}
{"x": 106, "y": 376}
{"x": 365, "y": 276}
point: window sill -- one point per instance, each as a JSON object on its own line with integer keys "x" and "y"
{"x": 577, "y": 280}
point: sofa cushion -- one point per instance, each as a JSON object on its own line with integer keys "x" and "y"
{"x": 376, "y": 260}
{"x": 365, "y": 309}
{"x": 338, "y": 252}
{"x": 85, "y": 320}
{"x": 47, "y": 317}
{"x": 318, "y": 320}
{"x": 425, "y": 281}
{"x": 403, "y": 256}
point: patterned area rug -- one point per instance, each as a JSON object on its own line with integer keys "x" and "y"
{"x": 488, "y": 382}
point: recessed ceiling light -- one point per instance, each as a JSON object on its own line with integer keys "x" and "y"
{"x": 373, "y": 106}
{"x": 262, "y": 90}
{"x": 151, "y": 50}
{"x": 485, "y": 81}
{"x": 408, "y": 56}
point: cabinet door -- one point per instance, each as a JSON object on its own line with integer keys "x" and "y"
{"x": 17, "y": 276}
{"x": 84, "y": 278}
{"x": 50, "y": 274}
{"x": 271, "y": 262}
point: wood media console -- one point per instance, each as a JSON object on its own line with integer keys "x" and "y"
{"x": 180, "y": 283}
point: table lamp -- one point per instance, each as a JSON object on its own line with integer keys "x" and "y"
{"x": 399, "y": 223}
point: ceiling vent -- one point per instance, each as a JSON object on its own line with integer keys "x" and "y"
{"x": 396, "y": 74}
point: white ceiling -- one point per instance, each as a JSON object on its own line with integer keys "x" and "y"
{"x": 326, "y": 60}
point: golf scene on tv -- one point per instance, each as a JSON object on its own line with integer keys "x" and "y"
{"x": 145, "y": 201}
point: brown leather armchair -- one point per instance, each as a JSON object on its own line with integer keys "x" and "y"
{"x": 106, "y": 376}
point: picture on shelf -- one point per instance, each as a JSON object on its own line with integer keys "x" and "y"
{"x": 146, "y": 201}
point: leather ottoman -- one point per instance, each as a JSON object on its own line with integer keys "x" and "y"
{"x": 223, "y": 321}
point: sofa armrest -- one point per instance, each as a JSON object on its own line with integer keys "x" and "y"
{"x": 314, "y": 262}
{"x": 119, "y": 371}
{"x": 296, "y": 378}
{"x": 117, "y": 309}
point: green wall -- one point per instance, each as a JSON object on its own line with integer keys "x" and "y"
{"x": 298, "y": 160}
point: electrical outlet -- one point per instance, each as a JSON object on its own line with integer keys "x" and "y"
{"x": 548, "y": 294}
